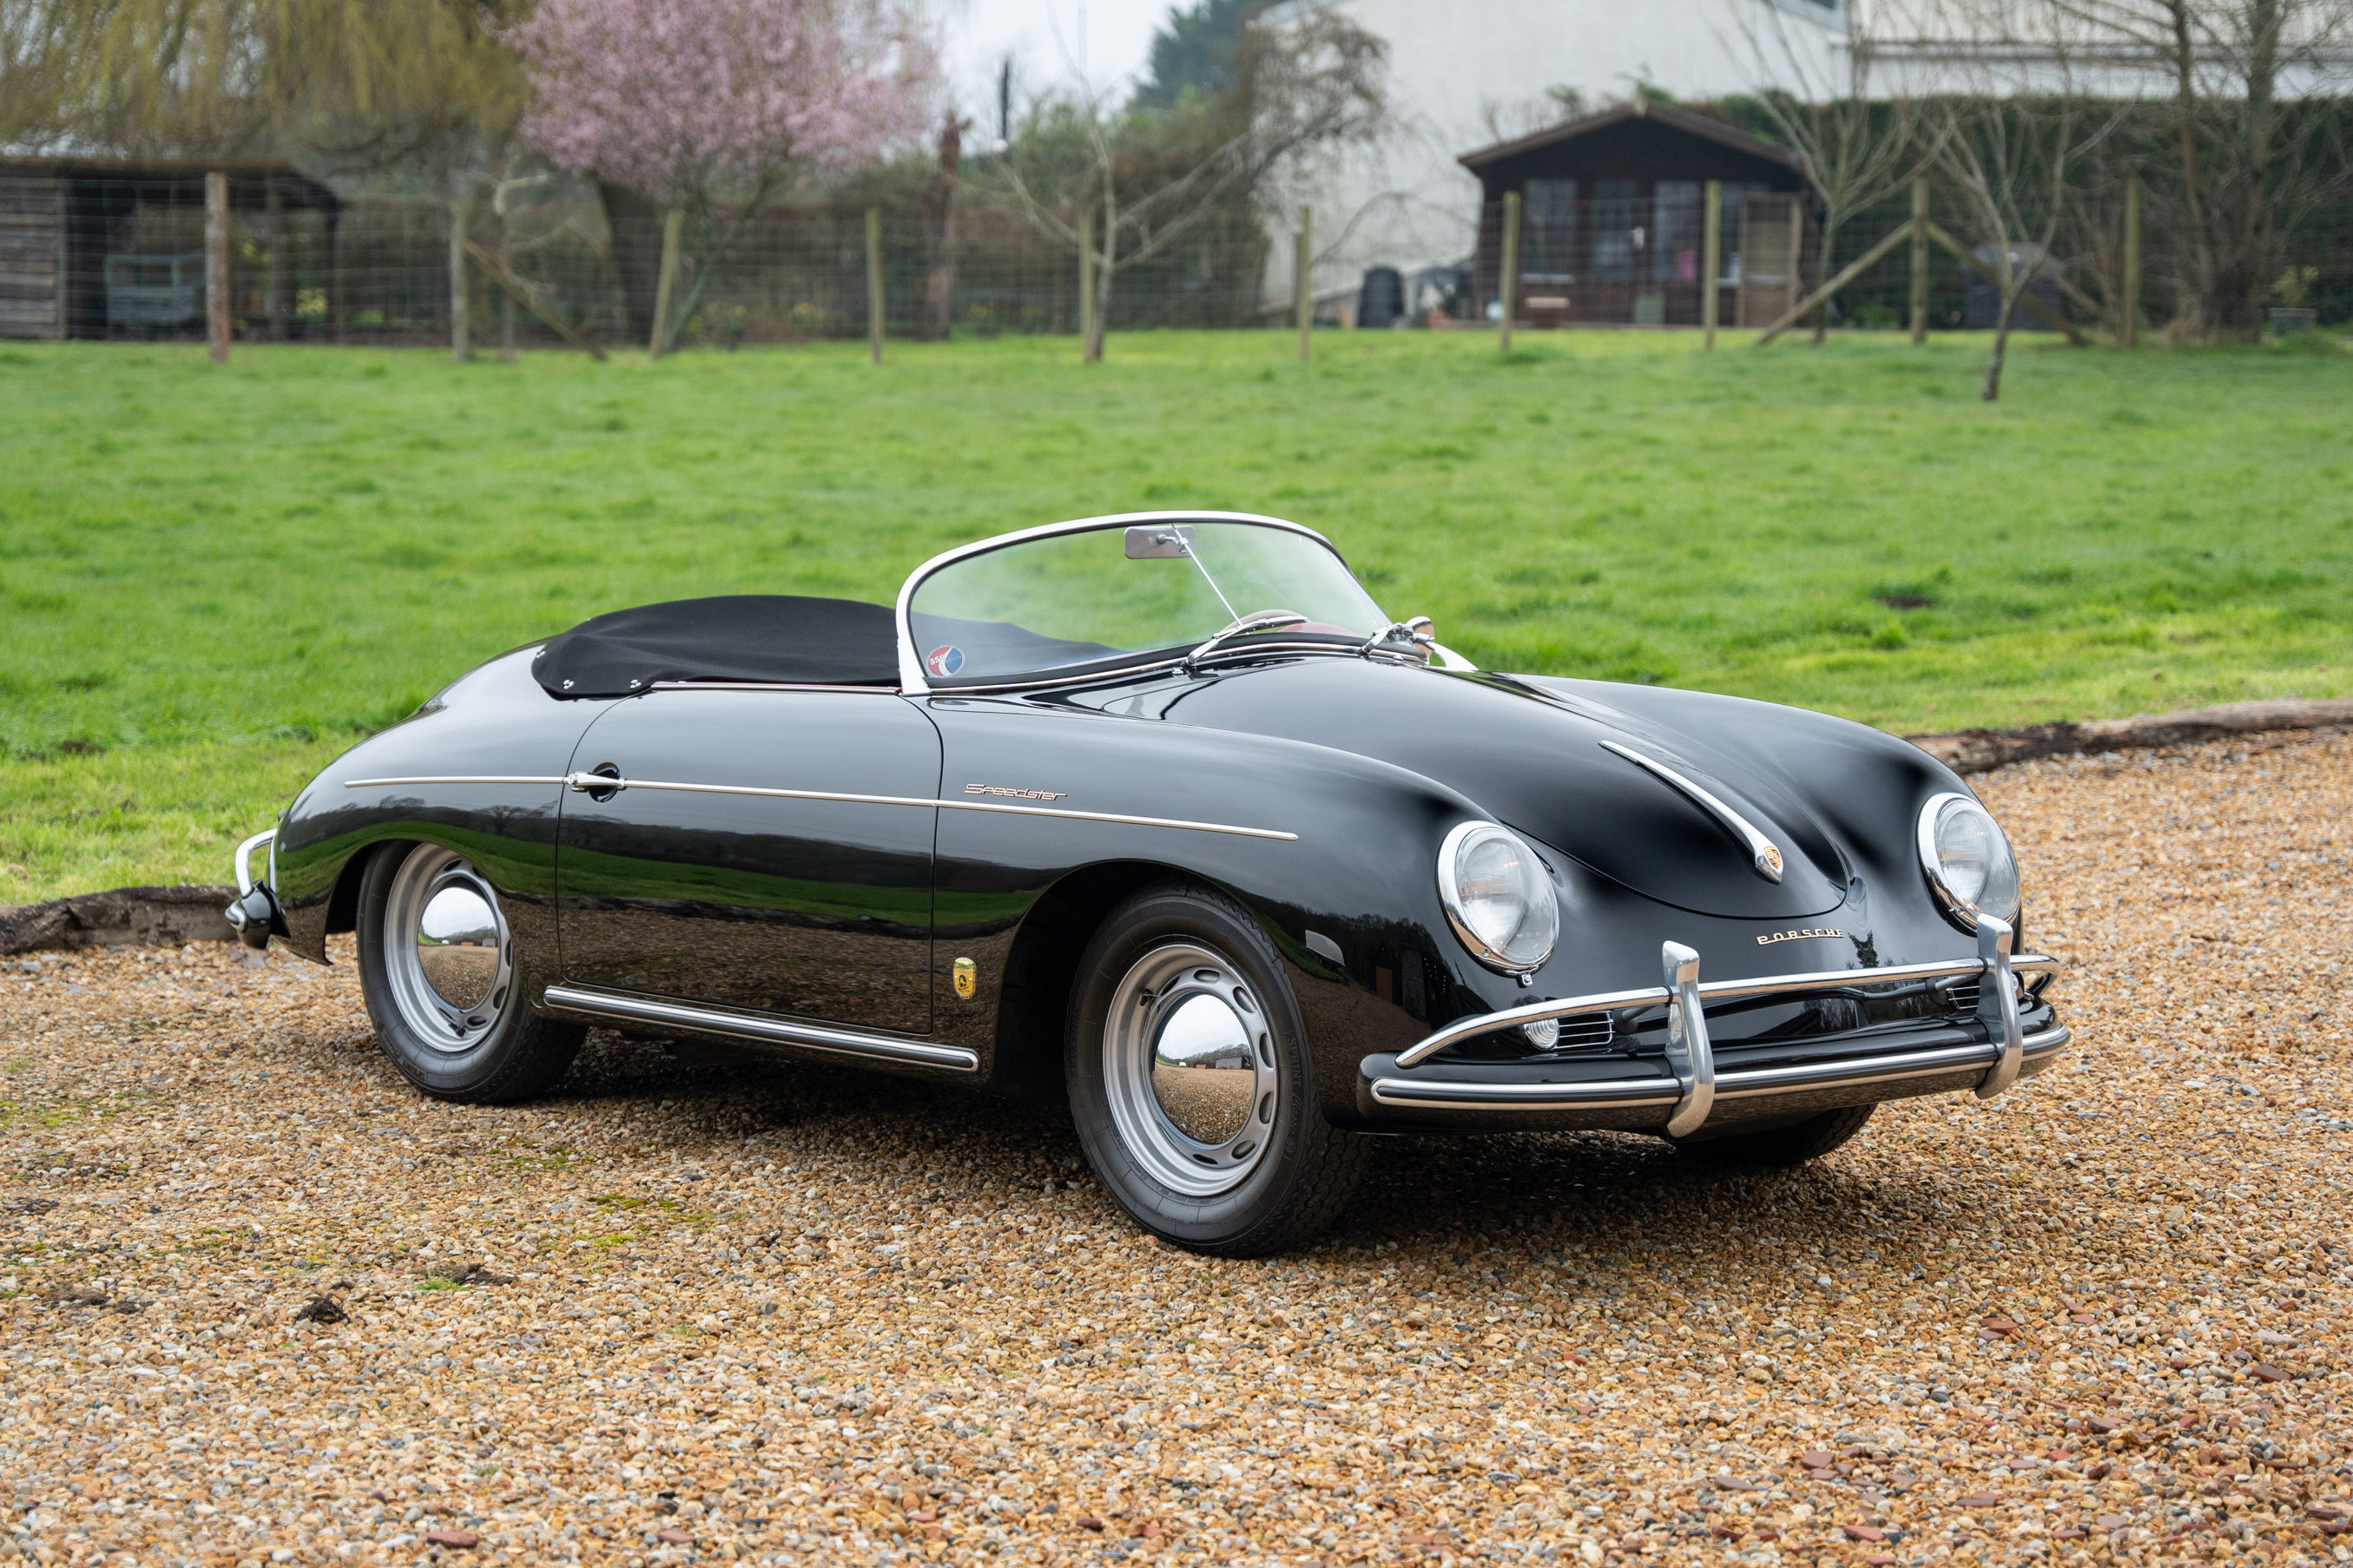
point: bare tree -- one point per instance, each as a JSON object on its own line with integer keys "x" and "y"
{"x": 1818, "y": 95}
{"x": 935, "y": 315}
{"x": 2243, "y": 166}
{"x": 2014, "y": 146}
{"x": 1121, "y": 186}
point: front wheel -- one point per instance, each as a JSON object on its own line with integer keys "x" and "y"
{"x": 438, "y": 972}
{"x": 1190, "y": 1082}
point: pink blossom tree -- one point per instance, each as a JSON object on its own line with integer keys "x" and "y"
{"x": 713, "y": 107}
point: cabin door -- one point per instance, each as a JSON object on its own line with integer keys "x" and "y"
{"x": 1772, "y": 246}
{"x": 808, "y": 905}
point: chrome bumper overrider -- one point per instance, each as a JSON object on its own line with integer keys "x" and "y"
{"x": 254, "y": 915}
{"x": 1693, "y": 1086}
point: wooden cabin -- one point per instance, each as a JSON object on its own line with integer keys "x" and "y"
{"x": 1612, "y": 213}
{"x": 96, "y": 247}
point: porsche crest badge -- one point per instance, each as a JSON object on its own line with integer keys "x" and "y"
{"x": 967, "y": 978}
{"x": 1771, "y": 856}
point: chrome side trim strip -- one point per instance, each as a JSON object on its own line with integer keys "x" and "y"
{"x": 772, "y": 686}
{"x": 773, "y": 1031}
{"x": 1763, "y": 853}
{"x": 1710, "y": 991}
{"x": 452, "y": 779}
{"x": 1613, "y": 1094}
{"x": 584, "y": 783}
{"x": 245, "y": 859}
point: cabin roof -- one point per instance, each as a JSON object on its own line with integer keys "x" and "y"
{"x": 1667, "y": 116}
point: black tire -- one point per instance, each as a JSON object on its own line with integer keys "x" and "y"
{"x": 1299, "y": 1173}
{"x": 501, "y": 1050}
{"x": 1782, "y": 1146}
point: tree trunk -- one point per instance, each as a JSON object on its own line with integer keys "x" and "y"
{"x": 706, "y": 267}
{"x": 461, "y": 292}
{"x": 2255, "y": 227}
{"x": 636, "y": 225}
{"x": 1105, "y": 270}
{"x": 2195, "y": 313}
{"x": 2001, "y": 344}
{"x": 936, "y": 313}
{"x": 1822, "y": 311}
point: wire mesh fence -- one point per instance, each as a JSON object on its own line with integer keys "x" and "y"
{"x": 109, "y": 253}
{"x": 1636, "y": 259}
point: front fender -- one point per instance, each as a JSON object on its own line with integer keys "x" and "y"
{"x": 1349, "y": 898}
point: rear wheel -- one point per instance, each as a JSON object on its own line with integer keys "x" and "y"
{"x": 1782, "y": 1146}
{"x": 1190, "y": 1082}
{"x": 437, "y": 972}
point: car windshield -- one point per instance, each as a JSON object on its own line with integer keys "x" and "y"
{"x": 1069, "y": 599}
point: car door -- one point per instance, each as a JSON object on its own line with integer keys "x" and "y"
{"x": 735, "y": 865}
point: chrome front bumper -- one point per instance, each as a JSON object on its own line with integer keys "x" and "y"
{"x": 1681, "y": 1094}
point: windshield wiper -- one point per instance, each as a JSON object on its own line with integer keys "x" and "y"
{"x": 1272, "y": 621}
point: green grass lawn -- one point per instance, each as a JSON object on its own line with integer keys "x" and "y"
{"x": 213, "y": 579}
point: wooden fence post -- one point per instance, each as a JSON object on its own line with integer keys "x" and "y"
{"x": 666, "y": 282}
{"x": 1510, "y": 280}
{"x": 1087, "y": 284}
{"x": 274, "y": 230}
{"x": 216, "y": 266}
{"x": 1919, "y": 262}
{"x": 1711, "y": 260}
{"x": 461, "y": 346}
{"x": 1302, "y": 281}
{"x": 874, "y": 285}
{"x": 2128, "y": 319}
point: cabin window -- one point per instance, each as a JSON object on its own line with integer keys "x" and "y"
{"x": 1675, "y": 231}
{"x": 1549, "y": 232}
{"x": 1617, "y": 230}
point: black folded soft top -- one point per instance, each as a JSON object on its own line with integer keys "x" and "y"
{"x": 738, "y": 636}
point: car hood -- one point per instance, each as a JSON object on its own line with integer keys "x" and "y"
{"x": 1533, "y": 754}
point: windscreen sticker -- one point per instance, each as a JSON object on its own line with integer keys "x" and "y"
{"x": 946, "y": 659}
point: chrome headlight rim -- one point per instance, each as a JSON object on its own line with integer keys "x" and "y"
{"x": 1959, "y": 910}
{"x": 1459, "y": 839}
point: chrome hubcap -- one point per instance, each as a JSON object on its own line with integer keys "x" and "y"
{"x": 445, "y": 951}
{"x": 1188, "y": 1059}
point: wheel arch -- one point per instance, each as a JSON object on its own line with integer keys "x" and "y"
{"x": 1042, "y": 966}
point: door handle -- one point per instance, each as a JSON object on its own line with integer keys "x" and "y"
{"x": 600, "y": 784}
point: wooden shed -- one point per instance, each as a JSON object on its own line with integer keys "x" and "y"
{"x": 93, "y": 248}
{"x": 1612, "y": 214}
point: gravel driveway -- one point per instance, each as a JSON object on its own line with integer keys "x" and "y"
{"x": 785, "y": 1313}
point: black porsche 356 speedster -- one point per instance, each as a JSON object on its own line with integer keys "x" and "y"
{"x": 1162, "y": 813}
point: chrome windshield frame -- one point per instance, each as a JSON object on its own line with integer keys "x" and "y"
{"x": 911, "y": 681}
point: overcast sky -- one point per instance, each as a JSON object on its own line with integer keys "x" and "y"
{"x": 1110, "y": 39}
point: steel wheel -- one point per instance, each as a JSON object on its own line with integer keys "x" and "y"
{"x": 1188, "y": 1064}
{"x": 447, "y": 962}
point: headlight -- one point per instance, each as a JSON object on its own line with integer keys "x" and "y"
{"x": 1967, "y": 860}
{"x": 1497, "y": 898}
